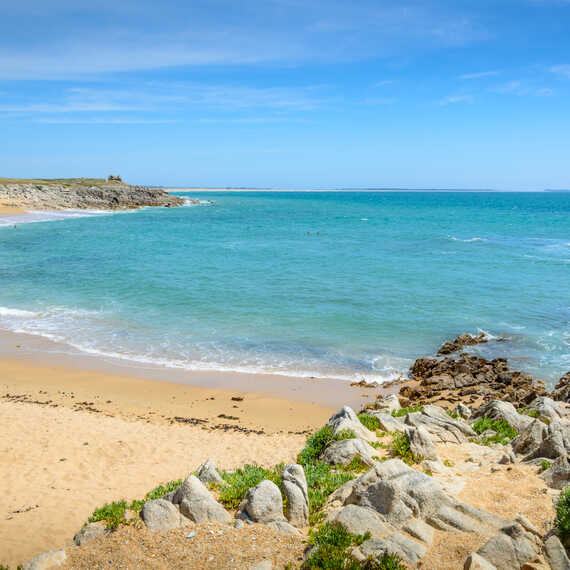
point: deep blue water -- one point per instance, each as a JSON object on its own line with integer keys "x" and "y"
{"x": 347, "y": 284}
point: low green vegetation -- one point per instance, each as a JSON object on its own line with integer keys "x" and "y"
{"x": 448, "y": 463}
{"x": 332, "y": 546}
{"x": 405, "y": 411}
{"x": 544, "y": 465}
{"x": 237, "y": 483}
{"x": 369, "y": 421}
{"x": 355, "y": 466}
{"x": 563, "y": 515}
{"x": 452, "y": 414}
{"x": 401, "y": 449}
{"x": 505, "y": 433}
{"x": 317, "y": 442}
{"x": 54, "y": 181}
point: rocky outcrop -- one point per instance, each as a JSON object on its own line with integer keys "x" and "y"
{"x": 555, "y": 554}
{"x": 89, "y": 532}
{"x": 83, "y": 194}
{"x": 347, "y": 420}
{"x": 460, "y": 342}
{"x": 344, "y": 451}
{"x": 421, "y": 444}
{"x": 208, "y": 472}
{"x": 47, "y": 560}
{"x": 160, "y": 515}
{"x": 297, "y": 494}
{"x": 470, "y": 379}
{"x": 561, "y": 391}
{"x": 440, "y": 425}
{"x": 197, "y": 504}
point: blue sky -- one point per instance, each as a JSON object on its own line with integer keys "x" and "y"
{"x": 288, "y": 93}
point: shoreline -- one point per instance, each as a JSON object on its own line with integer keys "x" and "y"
{"x": 87, "y": 431}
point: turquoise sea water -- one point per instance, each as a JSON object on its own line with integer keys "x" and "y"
{"x": 344, "y": 284}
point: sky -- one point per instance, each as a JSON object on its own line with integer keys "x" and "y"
{"x": 288, "y": 93}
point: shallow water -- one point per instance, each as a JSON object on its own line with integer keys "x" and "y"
{"x": 344, "y": 284}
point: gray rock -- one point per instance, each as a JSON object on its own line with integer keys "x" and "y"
{"x": 462, "y": 410}
{"x": 360, "y": 520}
{"x": 283, "y": 527}
{"x": 346, "y": 419}
{"x": 547, "y": 408}
{"x": 530, "y": 439}
{"x": 409, "y": 550}
{"x": 160, "y": 515}
{"x": 263, "y": 503}
{"x": 208, "y": 472}
{"x": 421, "y": 443}
{"x": 557, "y": 475}
{"x": 197, "y": 504}
{"x": 238, "y": 523}
{"x": 499, "y": 410}
{"x": 89, "y": 532}
{"x": 441, "y": 426}
{"x": 398, "y": 493}
{"x": 296, "y": 492}
{"x": 476, "y": 562}
{"x": 388, "y": 404}
{"x": 555, "y": 554}
{"x": 556, "y": 442}
{"x": 344, "y": 451}
{"x": 512, "y": 548}
{"x": 561, "y": 391}
{"x": 420, "y": 530}
{"x": 389, "y": 422}
{"x": 507, "y": 458}
{"x": 45, "y": 561}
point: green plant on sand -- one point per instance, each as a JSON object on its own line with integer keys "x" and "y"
{"x": 369, "y": 421}
{"x": 405, "y": 411}
{"x": 505, "y": 433}
{"x": 236, "y": 483}
{"x": 563, "y": 515}
{"x": 401, "y": 449}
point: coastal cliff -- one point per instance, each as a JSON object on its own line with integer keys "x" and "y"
{"x": 82, "y": 193}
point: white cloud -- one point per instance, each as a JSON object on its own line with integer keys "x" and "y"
{"x": 452, "y": 99}
{"x": 519, "y": 88}
{"x": 561, "y": 70}
{"x": 479, "y": 75}
{"x": 384, "y": 82}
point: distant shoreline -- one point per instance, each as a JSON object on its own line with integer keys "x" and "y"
{"x": 363, "y": 190}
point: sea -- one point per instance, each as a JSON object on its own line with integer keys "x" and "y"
{"x": 346, "y": 285}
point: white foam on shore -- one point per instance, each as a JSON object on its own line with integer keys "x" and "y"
{"x": 34, "y": 216}
{"x": 467, "y": 240}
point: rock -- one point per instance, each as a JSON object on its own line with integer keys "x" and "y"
{"x": 89, "y": 532}
{"x": 441, "y": 426}
{"x": 238, "y": 523}
{"x": 555, "y": 554}
{"x": 461, "y": 341}
{"x": 512, "y": 548}
{"x": 346, "y": 419}
{"x": 45, "y": 561}
{"x": 389, "y": 422}
{"x": 160, "y": 515}
{"x": 557, "y": 476}
{"x": 197, "y": 504}
{"x": 421, "y": 443}
{"x": 208, "y": 472}
{"x": 507, "y": 458}
{"x": 296, "y": 492}
{"x": 463, "y": 411}
{"x": 283, "y": 527}
{"x": 344, "y": 451}
{"x": 409, "y": 550}
{"x": 530, "y": 438}
{"x": 360, "y": 520}
{"x": 547, "y": 408}
{"x": 561, "y": 391}
{"x": 498, "y": 410}
{"x": 388, "y": 404}
{"x": 556, "y": 442}
{"x": 398, "y": 494}
{"x": 467, "y": 375}
{"x": 420, "y": 530}
{"x": 263, "y": 565}
{"x": 476, "y": 562}
{"x": 263, "y": 503}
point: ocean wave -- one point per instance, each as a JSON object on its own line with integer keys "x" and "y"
{"x": 467, "y": 240}
{"x": 7, "y": 312}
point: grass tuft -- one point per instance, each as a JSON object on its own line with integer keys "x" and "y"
{"x": 563, "y": 515}
{"x": 112, "y": 513}
{"x": 237, "y": 483}
{"x": 505, "y": 432}
{"x": 369, "y": 421}
{"x": 544, "y": 465}
{"x": 317, "y": 442}
{"x": 401, "y": 449}
{"x": 405, "y": 411}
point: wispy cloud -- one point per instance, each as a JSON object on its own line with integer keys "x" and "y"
{"x": 104, "y": 121}
{"x": 452, "y": 99}
{"x": 519, "y": 88}
{"x": 380, "y": 100}
{"x": 561, "y": 70}
{"x": 384, "y": 82}
{"x": 479, "y": 75}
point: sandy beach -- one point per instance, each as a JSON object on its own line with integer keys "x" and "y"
{"x": 9, "y": 208}
{"x": 79, "y": 431}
